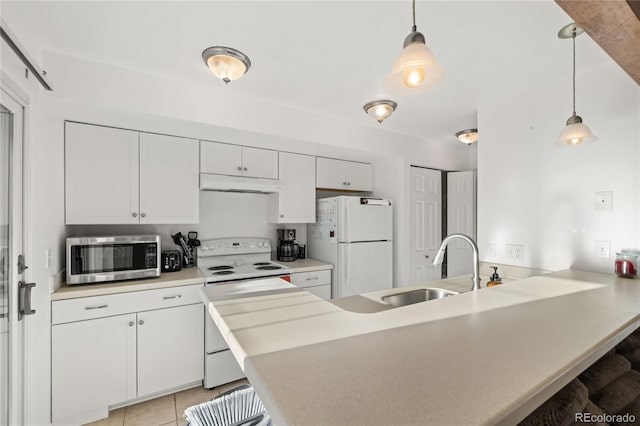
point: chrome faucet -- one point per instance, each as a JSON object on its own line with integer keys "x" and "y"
{"x": 476, "y": 258}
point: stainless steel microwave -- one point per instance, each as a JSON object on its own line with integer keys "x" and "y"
{"x": 101, "y": 259}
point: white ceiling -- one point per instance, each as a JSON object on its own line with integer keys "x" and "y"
{"x": 327, "y": 57}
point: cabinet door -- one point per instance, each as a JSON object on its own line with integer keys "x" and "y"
{"x": 259, "y": 163}
{"x": 101, "y": 175}
{"x": 359, "y": 177}
{"x": 330, "y": 173}
{"x": 93, "y": 365}
{"x": 169, "y": 191}
{"x": 170, "y": 348}
{"x": 220, "y": 158}
{"x": 296, "y": 201}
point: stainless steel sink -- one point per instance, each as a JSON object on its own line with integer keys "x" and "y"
{"x": 417, "y": 296}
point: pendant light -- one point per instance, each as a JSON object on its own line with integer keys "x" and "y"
{"x": 380, "y": 110}
{"x": 416, "y": 69}
{"x": 575, "y": 133}
{"x": 226, "y": 63}
{"x": 467, "y": 136}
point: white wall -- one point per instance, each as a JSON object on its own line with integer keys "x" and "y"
{"x": 534, "y": 193}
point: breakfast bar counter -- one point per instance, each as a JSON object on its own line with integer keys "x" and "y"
{"x": 485, "y": 357}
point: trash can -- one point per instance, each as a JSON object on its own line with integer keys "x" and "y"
{"x": 237, "y": 407}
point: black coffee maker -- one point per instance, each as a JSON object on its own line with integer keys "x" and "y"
{"x": 288, "y": 250}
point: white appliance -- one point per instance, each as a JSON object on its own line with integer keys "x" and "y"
{"x": 226, "y": 261}
{"x": 354, "y": 234}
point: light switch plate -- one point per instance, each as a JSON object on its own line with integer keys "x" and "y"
{"x": 603, "y": 201}
{"x": 603, "y": 249}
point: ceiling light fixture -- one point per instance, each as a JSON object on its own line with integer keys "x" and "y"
{"x": 226, "y": 63}
{"x": 575, "y": 132}
{"x": 380, "y": 110}
{"x": 468, "y": 136}
{"x": 416, "y": 69}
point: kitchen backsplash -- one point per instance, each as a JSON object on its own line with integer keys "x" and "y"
{"x": 222, "y": 215}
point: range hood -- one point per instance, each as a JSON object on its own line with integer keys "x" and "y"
{"x": 211, "y": 182}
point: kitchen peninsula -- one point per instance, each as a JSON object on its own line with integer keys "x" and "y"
{"x": 489, "y": 356}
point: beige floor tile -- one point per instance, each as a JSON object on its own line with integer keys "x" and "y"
{"x": 155, "y": 412}
{"x": 116, "y": 418}
{"x": 189, "y": 397}
{"x": 171, "y": 424}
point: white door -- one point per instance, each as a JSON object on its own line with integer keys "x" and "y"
{"x": 426, "y": 223}
{"x": 169, "y": 191}
{"x": 364, "y": 267}
{"x": 93, "y": 366}
{"x": 461, "y": 218}
{"x": 363, "y": 222}
{"x": 259, "y": 163}
{"x": 12, "y": 329}
{"x": 101, "y": 174}
{"x": 220, "y": 158}
{"x": 170, "y": 348}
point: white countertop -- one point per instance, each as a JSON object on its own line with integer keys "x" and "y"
{"x": 305, "y": 265}
{"x": 186, "y": 276}
{"x": 490, "y": 356}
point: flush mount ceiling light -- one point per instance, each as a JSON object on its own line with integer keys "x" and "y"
{"x": 575, "y": 132}
{"x": 226, "y": 63}
{"x": 416, "y": 69}
{"x": 380, "y": 110}
{"x": 468, "y": 136}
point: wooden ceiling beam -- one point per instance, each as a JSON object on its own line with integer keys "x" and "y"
{"x": 614, "y": 25}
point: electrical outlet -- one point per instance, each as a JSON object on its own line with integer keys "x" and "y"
{"x": 492, "y": 250}
{"x": 603, "y": 201}
{"x": 515, "y": 252}
{"x": 603, "y": 249}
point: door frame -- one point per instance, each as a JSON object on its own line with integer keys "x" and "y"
{"x": 20, "y": 355}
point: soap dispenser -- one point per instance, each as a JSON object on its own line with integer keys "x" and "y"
{"x": 495, "y": 278}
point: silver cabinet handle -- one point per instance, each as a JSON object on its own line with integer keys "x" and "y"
{"x": 281, "y": 215}
{"x": 143, "y": 215}
{"x": 348, "y": 183}
{"x": 131, "y": 323}
{"x": 90, "y": 308}
{"x": 134, "y": 214}
{"x": 245, "y": 169}
{"x": 239, "y": 168}
{"x": 176, "y": 296}
{"x": 312, "y": 278}
{"x": 344, "y": 183}
{"x": 141, "y": 322}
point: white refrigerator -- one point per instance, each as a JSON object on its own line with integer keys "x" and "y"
{"x": 355, "y": 235}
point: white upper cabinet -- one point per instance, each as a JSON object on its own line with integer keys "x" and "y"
{"x": 296, "y": 201}
{"x": 169, "y": 190}
{"x": 235, "y": 160}
{"x": 343, "y": 175}
{"x": 116, "y": 176}
{"x": 101, "y": 174}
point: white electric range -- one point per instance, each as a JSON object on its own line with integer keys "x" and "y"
{"x": 228, "y": 261}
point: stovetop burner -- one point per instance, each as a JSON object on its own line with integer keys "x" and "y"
{"x": 268, "y": 267}
{"x": 261, "y": 264}
{"x": 223, "y": 272}
{"x": 220, "y": 268}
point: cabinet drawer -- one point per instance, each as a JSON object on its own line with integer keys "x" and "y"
{"x": 63, "y": 311}
{"x": 308, "y": 279}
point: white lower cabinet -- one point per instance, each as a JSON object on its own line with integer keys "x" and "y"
{"x": 98, "y": 362}
{"x": 315, "y": 282}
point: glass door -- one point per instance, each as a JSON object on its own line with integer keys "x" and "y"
{"x": 11, "y": 274}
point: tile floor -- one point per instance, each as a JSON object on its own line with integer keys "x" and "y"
{"x": 164, "y": 411}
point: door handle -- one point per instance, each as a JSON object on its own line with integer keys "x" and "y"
{"x": 24, "y": 299}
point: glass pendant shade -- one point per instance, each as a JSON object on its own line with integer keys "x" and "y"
{"x": 226, "y": 63}
{"x": 380, "y": 110}
{"x": 416, "y": 70}
{"x": 575, "y": 134}
{"x": 468, "y": 136}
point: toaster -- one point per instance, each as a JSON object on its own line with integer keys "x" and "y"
{"x": 171, "y": 261}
